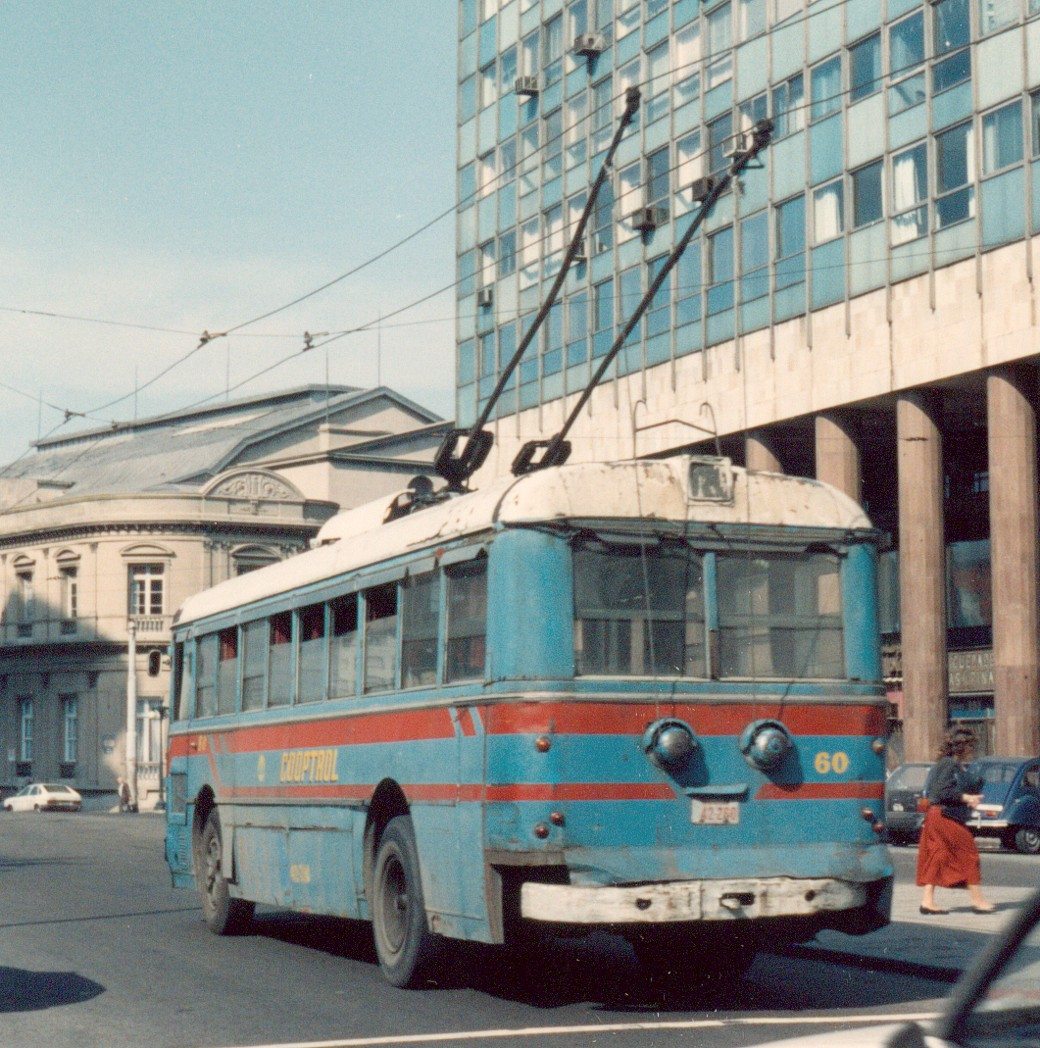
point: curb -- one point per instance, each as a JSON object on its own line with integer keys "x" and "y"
{"x": 868, "y": 962}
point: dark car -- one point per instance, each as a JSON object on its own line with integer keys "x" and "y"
{"x": 1010, "y": 807}
{"x": 904, "y": 788}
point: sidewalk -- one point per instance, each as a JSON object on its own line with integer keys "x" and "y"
{"x": 931, "y": 947}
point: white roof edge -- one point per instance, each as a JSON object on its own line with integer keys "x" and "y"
{"x": 630, "y": 489}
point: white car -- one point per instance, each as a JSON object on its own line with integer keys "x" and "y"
{"x": 996, "y": 1003}
{"x": 43, "y": 796}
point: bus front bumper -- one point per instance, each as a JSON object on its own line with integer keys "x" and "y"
{"x": 706, "y": 900}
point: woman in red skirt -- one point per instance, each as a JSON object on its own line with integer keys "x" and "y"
{"x": 947, "y": 856}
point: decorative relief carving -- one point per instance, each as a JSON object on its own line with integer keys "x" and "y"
{"x": 254, "y": 486}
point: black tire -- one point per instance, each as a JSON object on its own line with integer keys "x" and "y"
{"x": 404, "y": 945}
{"x": 223, "y": 914}
{"x": 1027, "y": 841}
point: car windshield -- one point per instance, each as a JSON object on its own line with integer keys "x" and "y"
{"x": 1010, "y": 1010}
{"x": 909, "y": 777}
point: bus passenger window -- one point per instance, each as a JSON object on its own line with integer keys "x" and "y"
{"x": 639, "y": 612}
{"x": 419, "y": 600}
{"x": 280, "y": 683}
{"x": 206, "y": 676}
{"x": 227, "y": 674}
{"x": 254, "y": 664}
{"x": 312, "y": 653}
{"x": 381, "y": 637}
{"x": 780, "y": 615}
{"x": 343, "y": 651}
{"x": 467, "y": 620}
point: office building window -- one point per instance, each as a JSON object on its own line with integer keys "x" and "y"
{"x": 954, "y": 164}
{"x": 602, "y": 117}
{"x": 751, "y": 18}
{"x": 867, "y": 194}
{"x": 720, "y": 138}
{"x": 828, "y": 212}
{"x": 70, "y": 725}
{"x": 686, "y": 65}
{"x": 865, "y": 67}
{"x": 825, "y": 88}
{"x": 720, "y": 47}
{"x": 789, "y": 106}
{"x": 754, "y": 257}
{"x": 790, "y": 242}
{"x": 784, "y": 9}
{"x": 951, "y": 35}
{"x": 552, "y": 50}
{"x": 659, "y": 83}
{"x": 996, "y": 13}
{"x": 909, "y": 194}
{"x": 658, "y": 181}
{"x": 146, "y": 589}
{"x": 507, "y": 254}
{"x": 720, "y": 271}
{"x": 1002, "y": 138}
{"x": 905, "y": 54}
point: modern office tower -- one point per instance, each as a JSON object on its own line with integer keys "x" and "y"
{"x": 860, "y": 306}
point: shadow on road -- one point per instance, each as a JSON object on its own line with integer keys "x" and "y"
{"x": 602, "y": 970}
{"x": 22, "y": 990}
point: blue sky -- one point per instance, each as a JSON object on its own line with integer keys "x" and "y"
{"x": 190, "y": 166}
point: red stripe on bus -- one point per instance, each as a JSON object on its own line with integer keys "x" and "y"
{"x": 437, "y": 791}
{"x": 602, "y": 718}
{"x": 822, "y": 791}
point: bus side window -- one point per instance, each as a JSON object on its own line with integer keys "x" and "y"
{"x": 467, "y": 620}
{"x": 206, "y": 675}
{"x": 280, "y": 680}
{"x": 419, "y": 615}
{"x": 313, "y": 656}
{"x": 381, "y": 637}
{"x": 254, "y": 664}
{"x": 344, "y": 646}
{"x": 227, "y": 674}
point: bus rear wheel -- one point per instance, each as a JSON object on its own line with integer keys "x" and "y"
{"x": 223, "y": 914}
{"x": 404, "y": 945}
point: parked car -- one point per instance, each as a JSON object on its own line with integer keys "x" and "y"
{"x": 42, "y": 796}
{"x": 903, "y": 789}
{"x": 995, "y": 1004}
{"x": 1010, "y": 807}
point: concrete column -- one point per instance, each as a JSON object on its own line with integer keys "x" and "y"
{"x": 760, "y": 451}
{"x": 1014, "y": 551}
{"x": 922, "y": 574}
{"x": 837, "y": 453}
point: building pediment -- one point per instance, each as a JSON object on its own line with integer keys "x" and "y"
{"x": 253, "y": 485}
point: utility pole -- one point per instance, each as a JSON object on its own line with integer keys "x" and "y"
{"x": 131, "y": 710}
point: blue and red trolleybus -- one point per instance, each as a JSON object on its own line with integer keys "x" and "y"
{"x": 640, "y": 695}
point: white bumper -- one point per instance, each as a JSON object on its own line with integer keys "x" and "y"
{"x": 688, "y": 900}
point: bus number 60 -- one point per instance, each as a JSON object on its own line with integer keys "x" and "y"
{"x": 825, "y": 763}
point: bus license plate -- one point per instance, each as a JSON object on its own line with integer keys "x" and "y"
{"x": 715, "y": 813}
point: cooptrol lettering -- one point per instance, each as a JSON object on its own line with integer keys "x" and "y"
{"x": 309, "y": 766}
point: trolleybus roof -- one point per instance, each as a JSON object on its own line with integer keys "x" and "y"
{"x": 680, "y": 489}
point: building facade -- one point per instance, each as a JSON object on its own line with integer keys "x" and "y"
{"x": 107, "y": 532}
{"x": 860, "y": 306}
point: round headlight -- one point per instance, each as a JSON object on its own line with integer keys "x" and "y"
{"x": 669, "y": 743}
{"x": 765, "y": 744}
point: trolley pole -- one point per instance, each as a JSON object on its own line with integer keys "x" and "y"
{"x": 131, "y": 710}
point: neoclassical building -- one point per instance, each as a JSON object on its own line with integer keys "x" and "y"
{"x": 108, "y": 531}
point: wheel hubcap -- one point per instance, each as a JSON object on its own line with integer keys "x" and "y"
{"x": 395, "y": 903}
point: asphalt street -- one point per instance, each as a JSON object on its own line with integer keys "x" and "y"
{"x": 96, "y": 949}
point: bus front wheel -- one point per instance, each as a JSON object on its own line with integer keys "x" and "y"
{"x": 223, "y": 914}
{"x": 405, "y": 946}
